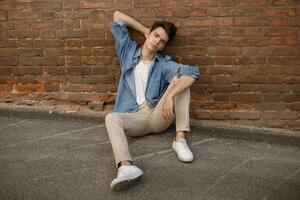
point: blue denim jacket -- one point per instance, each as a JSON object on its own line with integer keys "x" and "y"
{"x": 161, "y": 72}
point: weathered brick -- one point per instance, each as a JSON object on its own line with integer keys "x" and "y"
{"x": 285, "y": 115}
{"x": 295, "y": 106}
{"x": 72, "y": 34}
{"x": 12, "y": 60}
{"x": 91, "y": 4}
{"x": 46, "y": 5}
{"x": 244, "y": 115}
{"x": 275, "y": 106}
{"x": 7, "y": 52}
{"x": 53, "y": 60}
{"x": 78, "y": 70}
{"x": 48, "y": 43}
{"x": 28, "y": 88}
{"x": 6, "y": 88}
{"x": 23, "y": 15}
{"x": 30, "y": 52}
{"x": 79, "y": 52}
{"x": 46, "y": 25}
{"x": 20, "y": 71}
{"x": 247, "y": 97}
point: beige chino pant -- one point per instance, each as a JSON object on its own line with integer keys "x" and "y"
{"x": 146, "y": 120}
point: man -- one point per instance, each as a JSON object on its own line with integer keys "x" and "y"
{"x": 153, "y": 90}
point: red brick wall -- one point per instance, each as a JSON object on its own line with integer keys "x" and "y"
{"x": 248, "y": 52}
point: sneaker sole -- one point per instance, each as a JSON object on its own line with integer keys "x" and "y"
{"x": 188, "y": 161}
{"x": 125, "y": 184}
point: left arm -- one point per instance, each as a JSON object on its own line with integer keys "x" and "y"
{"x": 182, "y": 83}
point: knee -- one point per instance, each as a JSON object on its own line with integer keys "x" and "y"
{"x": 111, "y": 117}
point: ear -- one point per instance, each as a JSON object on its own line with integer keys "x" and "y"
{"x": 147, "y": 33}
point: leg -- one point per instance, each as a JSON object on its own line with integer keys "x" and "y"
{"x": 158, "y": 123}
{"x": 182, "y": 105}
{"x": 120, "y": 125}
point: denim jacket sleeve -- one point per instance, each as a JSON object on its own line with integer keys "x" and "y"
{"x": 123, "y": 43}
{"x": 172, "y": 68}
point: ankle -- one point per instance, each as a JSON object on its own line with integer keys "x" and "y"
{"x": 180, "y": 135}
{"x": 125, "y": 162}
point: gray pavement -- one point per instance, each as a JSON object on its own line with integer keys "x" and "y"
{"x": 60, "y": 156}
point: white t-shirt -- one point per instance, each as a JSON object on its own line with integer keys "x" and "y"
{"x": 141, "y": 72}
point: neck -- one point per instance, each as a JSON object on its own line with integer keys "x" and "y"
{"x": 147, "y": 55}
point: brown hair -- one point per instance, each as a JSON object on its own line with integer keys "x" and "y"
{"x": 169, "y": 27}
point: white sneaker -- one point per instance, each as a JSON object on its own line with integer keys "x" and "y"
{"x": 183, "y": 151}
{"x": 127, "y": 175}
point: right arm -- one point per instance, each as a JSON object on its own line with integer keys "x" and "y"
{"x": 130, "y": 22}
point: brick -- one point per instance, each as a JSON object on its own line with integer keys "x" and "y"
{"x": 274, "y": 88}
{"x": 228, "y": 31}
{"x": 121, "y": 4}
{"x": 244, "y": 115}
{"x": 217, "y": 106}
{"x": 72, "y": 34}
{"x": 46, "y": 5}
{"x": 251, "y": 22}
{"x": 199, "y": 3}
{"x": 7, "y": 52}
{"x": 247, "y": 97}
{"x": 99, "y": 70}
{"x": 6, "y": 6}
{"x": 23, "y": 15}
{"x": 71, "y": 87}
{"x": 7, "y": 79}
{"x": 99, "y": 88}
{"x": 37, "y": 25}
{"x": 148, "y": 4}
{"x": 102, "y": 51}
{"x": 53, "y": 87}
{"x": 201, "y": 114}
{"x": 255, "y": 3}
{"x": 51, "y": 60}
{"x": 30, "y": 52}
{"x": 73, "y": 15}
{"x": 26, "y": 43}
{"x": 79, "y": 52}
{"x": 71, "y": 4}
{"x": 3, "y": 35}
{"x": 223, "y": 70}
{"x": 284, "y": 115}
{"x": 48, "y": 43}
{"x": 222, "y": 79}
{"x": 12, "y": 60}
{"x": 73, "y": 61}
{"x": 99, "y": 79}
{"x": 272, "y": 97}
{"x": 295, "y": 106}
{"x": 6, "y": 88}
{"x": 219, "y": 115}
{"x": 6, "y": 25}
{"x": 98, "y": 106}
{"x": 222, "y": 51}
{"x": 23, "y": 34}
{"x": 74, "y": 24}
{"x": 20, "y": 71}
{"x": 291, "y": 97}
{"x": 96, "y": 33}
{"x": 97, "y": 42}
{"x": 74, "y": 43}
{"x": 26, "y": 61}
{"x": 275, "y": 106}
{"x": 5, "y": 70}
{"x": 47, "y": 34}
{"x": 54, "y": 51}
{"x": 3, "y": 16}
{"x": 278, "y": 32}
{"x": 182, "y": 12}
{"x": 49, "y": 15}
{"x": 27, "y": 79}
{"x": 223, "y": 97}
{"x": 92, "y": 4}
{"x": 28, "y": 88}
{"x": 78, "y": 70}
{"x": 53, "y": 70}
{"x": 152, "y": 12}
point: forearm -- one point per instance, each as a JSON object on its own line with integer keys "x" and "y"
{"x": 182, "y": 83}
{"x": 130, "y": 22}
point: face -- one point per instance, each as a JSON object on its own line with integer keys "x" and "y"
{"x": 157, "y": 40}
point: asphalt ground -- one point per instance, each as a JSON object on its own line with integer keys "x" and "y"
{"x": 61, "y": 156}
